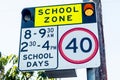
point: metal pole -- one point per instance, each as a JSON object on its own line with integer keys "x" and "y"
{"x": 0, "y": 54}
{"x": 101, "y": 72}
{"x": 91, "y": 74}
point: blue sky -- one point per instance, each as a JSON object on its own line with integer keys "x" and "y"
{"x": 10, "y": 18}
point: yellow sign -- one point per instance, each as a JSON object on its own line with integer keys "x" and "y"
{"x": 58, "y": 15}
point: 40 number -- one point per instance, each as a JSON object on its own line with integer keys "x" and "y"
{"x": 72, "y": 45}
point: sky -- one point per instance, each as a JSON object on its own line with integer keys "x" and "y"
{"x": 10, "y": 21}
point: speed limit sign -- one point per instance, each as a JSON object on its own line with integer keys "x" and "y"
{"x": 79, "y": 46}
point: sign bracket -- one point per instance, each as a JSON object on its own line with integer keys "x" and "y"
{"x": 61, "y": 73}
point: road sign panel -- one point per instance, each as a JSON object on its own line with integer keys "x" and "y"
{"x": 38, "y": 48}
{"x": 55, "y": 15}
{"x": 59, "y": 37}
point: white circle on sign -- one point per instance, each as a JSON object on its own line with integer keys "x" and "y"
{"x": 78, "y": 45}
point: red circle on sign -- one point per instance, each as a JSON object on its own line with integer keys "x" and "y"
{"x": 78, "y": 61}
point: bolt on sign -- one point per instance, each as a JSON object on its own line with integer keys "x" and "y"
{"x": 59, "y": 37}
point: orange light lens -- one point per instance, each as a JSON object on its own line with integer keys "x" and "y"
{"x": 89, "y": 9}
{"x": 89, "y": 12}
